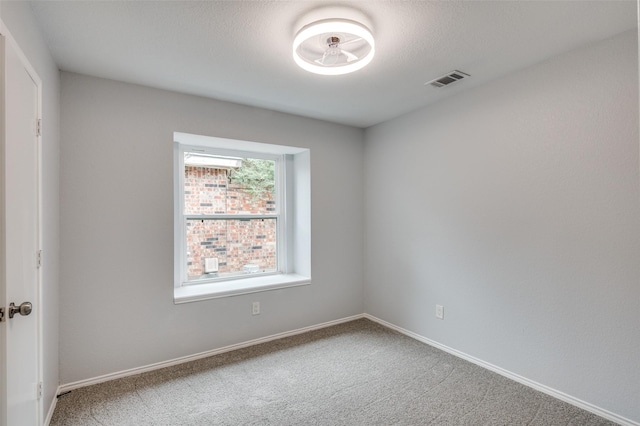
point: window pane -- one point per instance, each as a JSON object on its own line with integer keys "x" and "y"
{"x": 235, "y": 246}
{"x": 226, "y": 185}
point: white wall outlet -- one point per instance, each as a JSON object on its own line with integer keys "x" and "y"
{"x": 255, "y": 309}
{"x": 439, "y": 311}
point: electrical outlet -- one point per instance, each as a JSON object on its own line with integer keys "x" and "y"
{"x": 255, "y": 309}
{"x": 439, "y": 311}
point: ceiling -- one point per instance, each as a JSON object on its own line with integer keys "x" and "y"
{"x": 240, "y": 51}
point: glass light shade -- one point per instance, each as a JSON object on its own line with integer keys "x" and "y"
{"x": 333, "y": 47}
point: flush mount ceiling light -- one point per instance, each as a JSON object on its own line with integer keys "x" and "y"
{"x": 333, "y": 47}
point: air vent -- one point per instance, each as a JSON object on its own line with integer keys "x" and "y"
{"x": 448, "y": 79}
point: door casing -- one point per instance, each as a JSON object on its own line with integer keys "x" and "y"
{"x": 37, "y": 304}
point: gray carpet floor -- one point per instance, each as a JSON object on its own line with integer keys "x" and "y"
{"x": 357, "y": 373}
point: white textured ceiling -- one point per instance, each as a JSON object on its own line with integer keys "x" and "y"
{"x": 240, "y": 51}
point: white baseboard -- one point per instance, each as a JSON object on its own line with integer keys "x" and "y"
{"x": 523, "y": 380}
{"x": 133, "y": 371}
{"x": 52, "y": 408}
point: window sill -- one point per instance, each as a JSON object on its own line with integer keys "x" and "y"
{"x": 195, "y": 292}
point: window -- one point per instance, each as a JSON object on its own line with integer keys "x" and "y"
{"x": 232, "y": 214}
{"x": 241, "y": 217}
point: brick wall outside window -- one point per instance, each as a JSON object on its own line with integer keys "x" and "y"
{"x": 234, "y": 243}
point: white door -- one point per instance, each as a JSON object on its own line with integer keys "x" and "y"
{"x": 21, "y": 218}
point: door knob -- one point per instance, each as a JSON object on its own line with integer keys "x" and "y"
{"x": 24, "y": 309}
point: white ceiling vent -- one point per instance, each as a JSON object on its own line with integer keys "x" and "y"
{"x": 447, "y": 79}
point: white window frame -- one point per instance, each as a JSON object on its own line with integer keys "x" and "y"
{"x": 292, "y": 212}
{"x": 279, "y": 215}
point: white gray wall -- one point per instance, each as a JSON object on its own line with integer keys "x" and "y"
{"x": 19, "y": 20}
{"x": 116, "y": 295}
{"x": 516, "y": 206}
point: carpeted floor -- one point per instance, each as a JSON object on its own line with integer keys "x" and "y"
{"x": 357, "y": 373}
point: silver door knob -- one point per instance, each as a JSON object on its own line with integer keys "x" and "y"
{"x": 24, "y": 309}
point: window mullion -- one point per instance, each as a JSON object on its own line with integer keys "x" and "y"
{"x": 230, "y": 216}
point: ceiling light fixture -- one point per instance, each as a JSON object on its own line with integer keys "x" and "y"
{"x": 333, "y": 47}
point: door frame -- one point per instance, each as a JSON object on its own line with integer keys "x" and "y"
{"x": 37, "y": 310}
